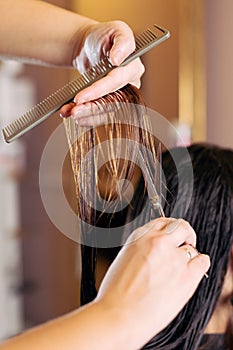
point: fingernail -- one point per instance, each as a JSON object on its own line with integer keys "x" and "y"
{"x": 64, "y": 115}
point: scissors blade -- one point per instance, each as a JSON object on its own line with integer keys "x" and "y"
{"x": 158, "y": 171}
{"x": 158, "y": 179}
{"x": 149, "y": 172}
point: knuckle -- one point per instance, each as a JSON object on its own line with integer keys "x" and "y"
{"x": 119, "y": 23}
{"x": 159, "y": 243}
{"x": 122, "y": 26}
{"x": 186, "y": 225}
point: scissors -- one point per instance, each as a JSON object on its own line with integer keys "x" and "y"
{"x": 152, "y": 172}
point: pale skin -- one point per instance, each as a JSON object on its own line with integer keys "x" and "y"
{"x": 41, "y": 33}
{"x": 134, "y": 300}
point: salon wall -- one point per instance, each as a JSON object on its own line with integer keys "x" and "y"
{"x": 219, "y": 60}
{"x": 160, "y": 81}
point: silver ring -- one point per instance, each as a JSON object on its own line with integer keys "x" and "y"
{"x": 188, "y": 252}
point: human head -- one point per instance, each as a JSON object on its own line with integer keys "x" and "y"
{"x": 210, "y": 213}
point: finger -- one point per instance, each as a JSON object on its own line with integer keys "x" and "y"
{"x": 154, "y": 227}
{"x": 181, "y": 232}
{"x": 123, "y": 44}
{"x": 113, "y": 81}
{"x": 198, "y": 267}
{"x": 93, "y": 120}
{"x": 177, "y": 232}
{"x": 65, "y": 110}
{"x": 90, "y": 115}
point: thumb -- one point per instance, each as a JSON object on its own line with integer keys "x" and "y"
{"x": 123, "y": 46}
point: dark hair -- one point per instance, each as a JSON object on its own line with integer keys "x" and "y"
{"x": 211, "y": 215}
{"x": 210, "y": 212}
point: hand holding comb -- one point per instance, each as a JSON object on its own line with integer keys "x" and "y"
{"x": 144, "y": 42}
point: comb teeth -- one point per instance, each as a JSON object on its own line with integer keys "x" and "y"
{"x": 145, "y": 39}
{"x": 54, "y": 102}
{"x": 50, "y": 105}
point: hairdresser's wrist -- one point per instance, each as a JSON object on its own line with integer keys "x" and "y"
{"x": 115, "y": 327}
{"x": 123, "y": 327}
